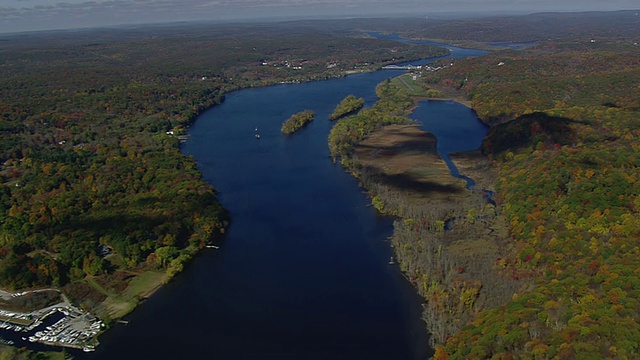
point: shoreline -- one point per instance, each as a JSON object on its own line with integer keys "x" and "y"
{"x": 124, "y": 307}
{"x": 120, "y": 299}
{"x": 450, "y": 95}
{"x": 469, "y": 243}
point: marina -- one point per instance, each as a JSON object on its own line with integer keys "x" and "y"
{"x": 60, "y": 325}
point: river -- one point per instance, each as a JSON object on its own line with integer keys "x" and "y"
{"x": 303, "y": 271}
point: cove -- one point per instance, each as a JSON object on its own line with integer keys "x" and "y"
{"x": 456, "y": 128}
{"x": 303, "y": 271}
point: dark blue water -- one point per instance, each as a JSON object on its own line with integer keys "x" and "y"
{"x": 303, "y": 272}
{"x": 456, "y": 127}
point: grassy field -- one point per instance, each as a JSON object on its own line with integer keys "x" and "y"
{"x": 404, "y": 158}
{"x": 117, "y": 305}
{"x": 407, "y": 83}
{"x": 415, "y": 88}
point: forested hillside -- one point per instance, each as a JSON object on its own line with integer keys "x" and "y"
{"x": 94, "y": 189}
{"x": 565, "y": 119}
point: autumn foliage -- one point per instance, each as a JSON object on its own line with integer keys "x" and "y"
{"x": 565, "y": 134}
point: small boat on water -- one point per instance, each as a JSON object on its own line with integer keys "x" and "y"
{"x": 257, "y": 136}
{"x": 391, "y": 262}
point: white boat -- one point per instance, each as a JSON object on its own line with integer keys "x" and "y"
{"x": 257, "y": 136}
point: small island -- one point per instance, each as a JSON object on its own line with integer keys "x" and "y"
{"x": 297, "y": 121}
{"x": 348, "y": 105}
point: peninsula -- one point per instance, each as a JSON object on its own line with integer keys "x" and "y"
{"x": 347, "y": 106}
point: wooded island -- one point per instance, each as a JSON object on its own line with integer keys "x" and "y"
{"x": 297, "y": 121}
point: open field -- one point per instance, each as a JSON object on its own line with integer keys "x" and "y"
{"x": 119, "y": 303}
{"x": 406, "y": 83}
{"x": 404, "y": 158}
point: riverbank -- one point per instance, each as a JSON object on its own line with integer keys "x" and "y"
{"x": 447, "y": 238}
{"x": 139, "y": 287}
{"x": 450, "y": 94}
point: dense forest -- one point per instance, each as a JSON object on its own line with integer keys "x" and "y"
{"x": 94, "y": 192}
{"x": 565, "y": 128}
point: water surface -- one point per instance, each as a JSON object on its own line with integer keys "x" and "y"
{"x": 456, "y": 128}
{"x": 303, "y": 271}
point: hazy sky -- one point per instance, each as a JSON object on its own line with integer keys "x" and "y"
{"x": 27, "y": 15}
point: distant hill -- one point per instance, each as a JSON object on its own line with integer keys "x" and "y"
{"x": 533, "y": 27}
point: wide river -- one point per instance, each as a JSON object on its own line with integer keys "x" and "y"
{"x": 303, "y": 271}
